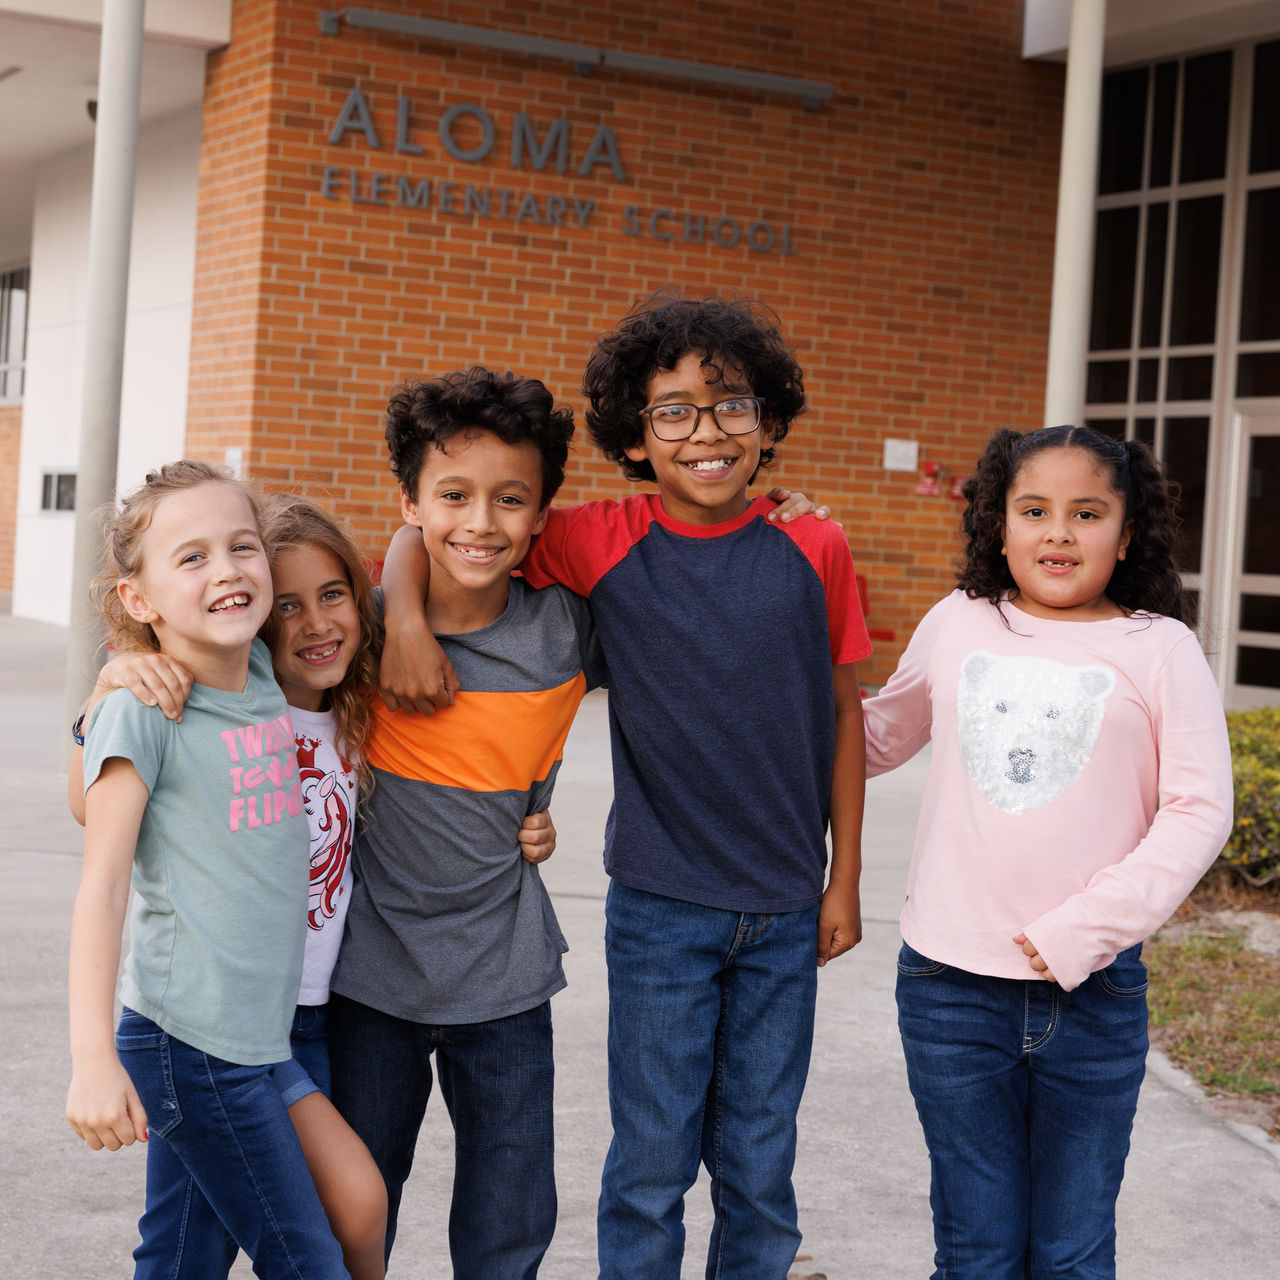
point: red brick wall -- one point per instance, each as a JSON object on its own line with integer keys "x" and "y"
{"x": 920, "y": 205}
{"x": 10, "y": 440}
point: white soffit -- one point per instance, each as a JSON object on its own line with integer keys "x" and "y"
{"x": 1139, "y": 30}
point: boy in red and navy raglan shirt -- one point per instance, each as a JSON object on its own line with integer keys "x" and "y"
{"x": 736, "y": 732}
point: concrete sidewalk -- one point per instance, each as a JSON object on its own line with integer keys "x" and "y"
{"x": 1202, "y": 1196}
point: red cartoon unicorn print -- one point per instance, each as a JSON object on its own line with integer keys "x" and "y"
{"x": 328, "y": 808}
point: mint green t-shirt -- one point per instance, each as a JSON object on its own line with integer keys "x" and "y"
{"x": 218, "y": 917}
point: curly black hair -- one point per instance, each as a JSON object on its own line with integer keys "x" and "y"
{"x": 426, "y": 415}
{"x": 1144, "y": 581}
{"x": 734, "y": 337}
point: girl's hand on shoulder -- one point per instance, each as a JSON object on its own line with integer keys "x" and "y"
{"x": 153, "y": 678}
{"x": 537, "y": 837}
{"x": 1037, "y": 962}
{"x": 839, "y": 922}
{"x": 103, "y": 1107}
{"x": 792, "y": 503}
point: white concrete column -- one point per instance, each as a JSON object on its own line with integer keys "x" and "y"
{"x": 110, "y": 227}
{"x": 1073, "y": 245}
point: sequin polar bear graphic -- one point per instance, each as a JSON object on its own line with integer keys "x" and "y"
{"x": 1028, "y": 725}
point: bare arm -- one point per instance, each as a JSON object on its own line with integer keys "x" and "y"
{"x": 102, "y": 1105}
{"x": 840, "y": 916}
{"x": 414, "y": 675}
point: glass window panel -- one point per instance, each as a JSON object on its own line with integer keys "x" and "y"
{"x": 1264, "y": 144}
{"x": 1258, "y": 374}
{"x": 1262, "y": 510}
{"x": 1197, "y": 248}
{"x": 1206, "y": 102}
{"x": 1191, "y": 608}
{"x": 1166, "y": 99}
{"x": 66, "y": 496}
{"x": 1189, "y": 378}
{"x": 46, "y": 493}
{"x": 1148, "y": 380}
{"x": 1256, "y": 666}
{"x": 13, "y": 331}
{"x": 1114, "y": 262}
{"x": 1260, "y": 288}
{"x": 1112, "y": 428}
{"x": 1108, "y": 382}
{"x": 1259, "y": 613}
{"x": 1124, "y": 127}
{"x": 1186, "y": 459}
{"x": 1153, "y": 274}
{"x": 1144, "y": 429}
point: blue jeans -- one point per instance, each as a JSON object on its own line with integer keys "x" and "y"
{"x": 710, "y": 1029}
{"x": 224, "y": 1168}
{"x": 497, "y": 1079}
{"x": 1026, "y": 1094}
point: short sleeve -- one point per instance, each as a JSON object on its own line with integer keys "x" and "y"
{"x": 122, "y": 726}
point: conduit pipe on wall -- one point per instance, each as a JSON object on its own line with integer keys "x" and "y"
{"x": 1073, "y": 244}
{"x": 110, "y": 227}
{"x": 813, "y": 93}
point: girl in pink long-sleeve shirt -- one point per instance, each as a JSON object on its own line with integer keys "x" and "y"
{"x": 1079, "y": 785}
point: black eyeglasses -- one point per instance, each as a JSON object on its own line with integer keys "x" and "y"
{"x": 737, "y": 416}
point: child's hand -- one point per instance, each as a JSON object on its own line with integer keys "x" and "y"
{"x": 103, "y": 1107}
{"x": 839, "y": 922}
{"x": 792, "y": 504}
{"x": 415, "y": 674}
{"x": 537, "y": 837}
{"x": 1034, "y": 958}
{"x": 152, "y": 678}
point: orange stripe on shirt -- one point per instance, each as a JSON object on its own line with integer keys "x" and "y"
{"x": 484, "y": 742}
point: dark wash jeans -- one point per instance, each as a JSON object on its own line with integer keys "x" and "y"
{"x": 1026, "y": 1094}
{"x": 497, "y": 1081}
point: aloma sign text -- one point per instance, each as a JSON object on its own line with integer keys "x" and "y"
{"x": 469, "y": 134}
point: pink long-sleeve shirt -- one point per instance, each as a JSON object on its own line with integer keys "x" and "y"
{"x": 1079, "y": 783}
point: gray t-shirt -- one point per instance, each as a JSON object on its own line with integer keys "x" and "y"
{"x": 220, "y": 872}
{"x": 448, "y": 923}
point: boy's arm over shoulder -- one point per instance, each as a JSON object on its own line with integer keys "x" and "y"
{"x": 414, "y": 673}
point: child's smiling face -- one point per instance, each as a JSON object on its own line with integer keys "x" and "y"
{"x": 479, "y": 504}
{"x": 204, "y": 586}
{"x": 703, "y": 480}
{"x": 1064, "y": 530}
{"x": 319, "y": 624}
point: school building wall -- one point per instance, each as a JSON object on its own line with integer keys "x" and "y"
{"x": 158, "y": 327}
{"x": 904, "y": 233}
{"x": 10, "y": 447}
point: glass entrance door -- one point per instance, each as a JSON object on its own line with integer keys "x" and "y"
{"x": 1253, "y": 613}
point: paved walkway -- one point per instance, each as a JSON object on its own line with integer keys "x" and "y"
{"x": 1201, "y": 1200}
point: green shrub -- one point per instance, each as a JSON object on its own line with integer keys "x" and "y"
{"x": 1253, "y": 849}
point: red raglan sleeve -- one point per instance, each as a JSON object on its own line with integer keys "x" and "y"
{"x": 581, "y": 544}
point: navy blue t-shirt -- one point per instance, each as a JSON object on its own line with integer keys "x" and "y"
{"x": 720, "y": 642}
